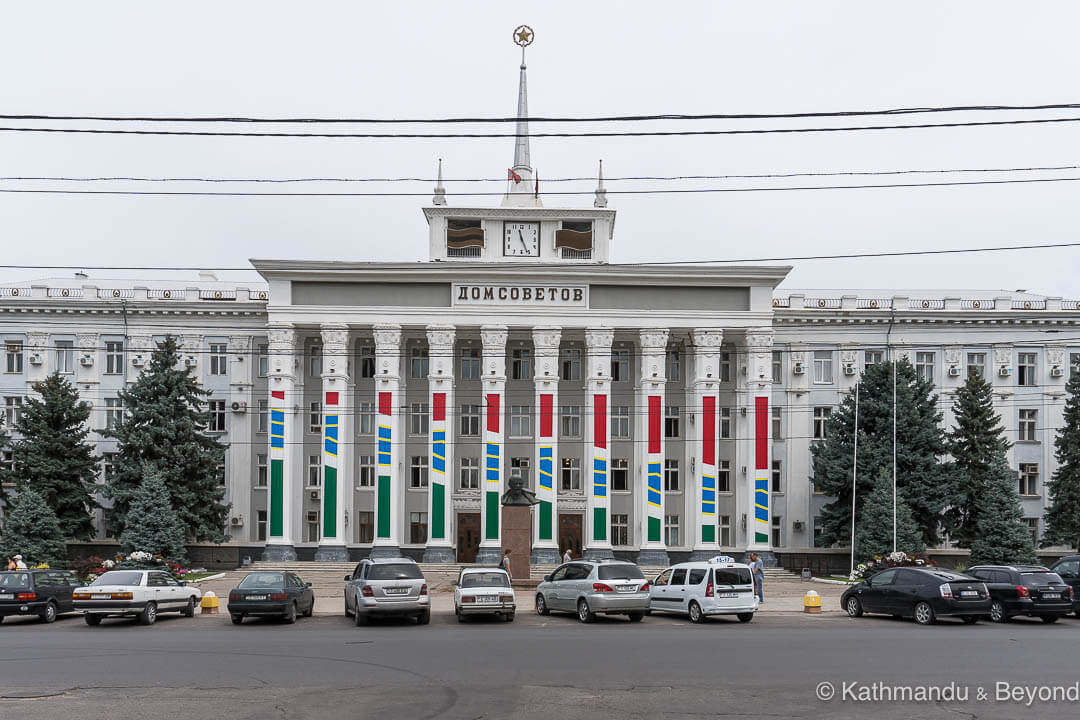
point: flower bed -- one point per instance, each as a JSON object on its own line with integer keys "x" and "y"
{"x": 884, "y": 562}
{"x": 90, "y": 568}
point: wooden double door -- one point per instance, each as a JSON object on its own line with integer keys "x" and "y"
{"x": 468, "y": 537}
{"x": 571, "y": 533}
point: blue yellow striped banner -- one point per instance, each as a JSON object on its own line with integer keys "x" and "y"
{"x": 546, "y": 479}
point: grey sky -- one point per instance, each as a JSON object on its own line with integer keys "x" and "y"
{"x": 453, "y": 59}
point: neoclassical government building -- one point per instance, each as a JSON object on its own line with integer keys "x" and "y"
{"x": 655, "y": 410}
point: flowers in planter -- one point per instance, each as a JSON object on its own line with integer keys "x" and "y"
{"x": 891, "y": 560}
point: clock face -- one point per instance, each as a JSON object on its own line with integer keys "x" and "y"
{"x": 521, "y": 239}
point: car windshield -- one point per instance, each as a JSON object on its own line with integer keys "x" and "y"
{"x": 1041, "y": 578}
{"x": 484, "y": 579}
{"x": 15, "y": 581}
{"x": 261, "y": 581}
{"x": 619, "y": 572}
{"x": 403, "y": 571}
{"x": 119, "y": 577}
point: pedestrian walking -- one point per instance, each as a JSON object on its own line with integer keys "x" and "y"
{"x": 566, "y": 557}
{"x": 757, "y": 570}
{"x": 505, "y": 565}
{"x": 19, "y": 564}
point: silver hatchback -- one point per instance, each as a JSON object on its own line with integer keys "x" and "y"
{"x": 387, "y": 587}
{"x": 591, "y": 588}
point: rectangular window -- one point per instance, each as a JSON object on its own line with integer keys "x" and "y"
{"x": 260, "y": 525}
{"x": 219, "y": 360}
{"x": 315, "y": 418}
{"x": 367, "y": 418}
{"x": 620, "y": 475}
{"x": 470, "y": 420}
{"x": 673, "y": 365}
{"x": 315, "y": 361}
{"x": 725, "y": 423}
{"x": 470, "y": 364}
{"x": 821, "y": 418}
{"x": 725, "y": 367}
{"x": 725, "y": 531}
{"x": 519, "y": 467}
{"x": 1028, "y": 420}
{"x": 264, "y": 415}
{"x": 873, "y": 357}
{"x": 521, "y": 364}
{"x": 723, "y": 476}
{"x": 418, "y": 471}
{"x": 314, "y": 471}
{"x": 114, "y": 357}
{"x": 1025, "y": 369}
{"x": 777, "y": 527}
{"x": 418, "y": 528}
{"x": 521, "y": 421}
{"x": 12, "y": 410}
{"x": 13, "y": 357}
{"x": 671, "y": 530}
{"x": 469, "y": 474}
{"x": 620, "y": 365}
{"x": 216, "y": 422}
{"x": 312, "y": 532}
{"x": 114, "y": 412}
{"x": 571, "y": 474}
{"x": 367, "y": 471}
{"x": 418, "y": 419}
{"x": 1029, "y": 478}
{"x": 823, "y": 367}
{"x": 777, "y": 366}
{"x": 976, "y": 363}
{"x": 777, "y": 477}
{"x": 260, "y": 475}
{"x": 620, "y": 421}
{"x": 924, "y": 365}
{"x": 108, "y": 465}
{"x": 817, "y": 531}
{"x": 671, "y": 475}
{"x": 1033, "y": 528}
{"x": 777, "y": 424}
{"x": 571, "y": 364}
{"x": 65, "y": 357}
{"x": 365, "y": 526}
{"x": 671, "y": 421}
{"x": 366, "y": 360}
{"x": 264, "y": 360}
{"x": 418, "y": 363}
{"x": 1074, "y": 364}
{"x": 620, "y": 529}
{"x": 570, "y": 421}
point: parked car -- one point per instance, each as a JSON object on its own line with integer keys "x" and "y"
{"x": 1068, "y": 569}
{"x": 1025, "y": 590}
{"x": 142, "y": 594}
{"x": 484, "y": 591}
{"x": 923, "y": 593}
{"x": 591, "y": 588}
{"x": 276, "y": 594}
{"x": 387, "y": 587}
{"x": 700, "y": 589}
{"x": 45, "y": 593}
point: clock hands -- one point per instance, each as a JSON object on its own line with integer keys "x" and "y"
{"x": 522, "y": 239}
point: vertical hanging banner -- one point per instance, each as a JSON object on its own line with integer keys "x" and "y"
{"x": 277, "y": 462}
{"x": 708, "y": 469}
{"x": 761, "y": 474}
{"x": 493, "y": 442}
{"x": 438, "y": 466}
{"x": 330, "y": 465}
{"x": 545, "y": 481}
{"x": 654, "y": 485}
{"x": 600, "y": 467}
{"x": 386, "y": 424}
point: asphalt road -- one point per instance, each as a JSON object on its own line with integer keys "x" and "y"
{"x": 553, "y": 667}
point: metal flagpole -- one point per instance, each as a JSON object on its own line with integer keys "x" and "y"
{"x": 894, "y": 452}
{"x": 854, "y": 474}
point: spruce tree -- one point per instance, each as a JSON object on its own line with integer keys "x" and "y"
{"x": 164, "y": 429}
{"x": 5, "y": 443}
{"x": 1063, "y": 515}
{"x": 930, "y": 484}
{"x": 874, "y": 526}
{"x": 33, "y": 531}
{"x": 1001, "y": 536}
{"x": 53, "y": 457}
{"x": 151, "y": 524}
{"x": 977, "y": 439}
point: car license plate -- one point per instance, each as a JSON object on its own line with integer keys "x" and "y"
{"x": 627, "y": 588}
{"x": 969, "y": 593}
{"x": 728, "y": 595}
{"x": 256, "y": 597}
{"x": 1051, "y": 596}
{"x": 396, "y": 591}
{"x": 101, "y": 597}
{"x": 487, "y": 598}
{"x": 7, "y": 596}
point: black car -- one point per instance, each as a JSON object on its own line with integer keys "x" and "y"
{"x": 1025, "y": 590}
{"x": 279, "y": 594}
{"x": 45, "y": 593}
{"x": 1068, "y": 568}
{"x": 922, "y": 593}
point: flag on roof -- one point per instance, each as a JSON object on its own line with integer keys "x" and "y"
{"x": 514, "y": 176}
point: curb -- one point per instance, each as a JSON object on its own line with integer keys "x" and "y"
{"x": 832, "y": 582}
{"x": 208, "y": 577}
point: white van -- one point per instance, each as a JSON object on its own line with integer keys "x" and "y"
{"x": 700, "y": 589}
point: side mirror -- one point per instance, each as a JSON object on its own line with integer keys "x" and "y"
{"x": 547, "y": 578}
{"x": 348, "y": 578}
{"x": 307, "y": 585}
{"x": 454, "y": 583}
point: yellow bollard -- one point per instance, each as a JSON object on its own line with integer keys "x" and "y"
{"x": 209, "y": 603}
{"x": 811, "y": 602}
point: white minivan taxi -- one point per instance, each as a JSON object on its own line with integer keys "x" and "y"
{"x": 700, "y": 589}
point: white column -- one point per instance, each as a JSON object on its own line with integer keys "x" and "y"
{"x": 597, "y": 399}
{"x": 545, "y": 541}
{"x": 440, "y": 546}
{"x": 758, "y": 389}
{"x": 649, "y": 436}
{"x": 241, "y": 452}
{"x": 284, "y": 436}
{"x": 337, "y": 431}
{"x": 493, "y": 383}
{"x": 388, "y": 488}
{"x": 705, "y": 384}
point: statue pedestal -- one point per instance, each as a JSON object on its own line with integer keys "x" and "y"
{"x": 517, "y": 538}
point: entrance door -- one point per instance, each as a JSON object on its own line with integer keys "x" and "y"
{"x": 468, "y": 538}
{"x": 570, "y": 534}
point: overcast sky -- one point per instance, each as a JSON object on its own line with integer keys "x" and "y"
{"x": 409, "y": 59}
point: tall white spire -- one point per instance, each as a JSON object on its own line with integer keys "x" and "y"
{"x": 601, "y": 194}
{"x": 440, "y": 191}
{"x": 522, "y": 190}
{"x": 521, "y": 144}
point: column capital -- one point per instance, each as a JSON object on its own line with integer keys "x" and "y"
{"x": 598, "y": 352}
{"x": 759, "y": 339}
{"x": 282, "y": 346}
{"x": 599, "y": 337}
{"x": 547, "y": 338}
{"x": 240, "y": 344}
{"x": 335, "y": 338}
{"x": 493, "y": 338}
{"x": 387, "y": 337}
{"x": 707, "y": 340}
{"x": 653, "y": 339}
{"x": 759, "y": 343}
{"x": 37, "y": 340}
{"x": 440, "y": 339}
{"x": 546, "y": 341}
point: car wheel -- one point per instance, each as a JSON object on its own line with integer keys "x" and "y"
{"x": 509, "y": 617}
{"x": 189, "y": 609}
{"x": 853, "y": 607}
{"x": 541, "y": 605}
{"x": 290, "y": 614}
{"x": 1049, "y": 618}
{"x": 48, "y": 615}
{"x": 423, "y": 618}
{"x": 636, "y": 616}
{"x": 149, "y": 614}
{"x": 745, "y": 617}
{"x": 460, "y": 617}
{"x": 311, "y": 609}
{"x": 584, "y": 614}
{"x": 237, "y": 619}
{"x": 347, "y": 613}
{"x": 695, "y": 613}
{"x": 359, "y": 618}
{"x": 997, "y": 612}
{"x": 92, "y": 620}
{"x": 970, "y": 619}
{"x": 924, "y": 614}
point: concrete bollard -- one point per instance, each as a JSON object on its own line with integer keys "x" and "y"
{"x": 811, "y": 602}
{"x": 209, "y": 603}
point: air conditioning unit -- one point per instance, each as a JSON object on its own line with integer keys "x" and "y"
{"x": 799, "y": 368}
{"x": 237, "y": 522}
{"x": 1004, "y": 371}
{"x": 191, "y": 361}
{"x": 954, "y": 371}
{"x": 1057, "y": 371}
{"x": 314, "y": 494}
{"x": 849, "y": 369}
{"x": 138, "y": 361}
{"x": 35, "y": 359}
{"x": 239, "y": 407}
{"x": 86, "y": 360}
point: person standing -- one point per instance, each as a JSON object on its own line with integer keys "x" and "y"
{"x": 757, "y": 571}
{"x": 505, "y": 565}
{"x": 19, "y": 564}
{"x": 566, "y": 557}
{"x": 11, "y": 564}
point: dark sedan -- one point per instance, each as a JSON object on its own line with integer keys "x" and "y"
{"x": 1030, "y": 590}
{"x": 45, "y": 593}
{"x": 922, "y": 593}
{"x": 273, "y": 594}
{"x": 1068, "y": 569}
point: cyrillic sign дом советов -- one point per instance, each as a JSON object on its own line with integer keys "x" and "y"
{"x": 524, "y": 294}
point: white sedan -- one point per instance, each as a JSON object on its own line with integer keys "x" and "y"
{"x": 142, "y": 594}
{"x": 484, "y": 591}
